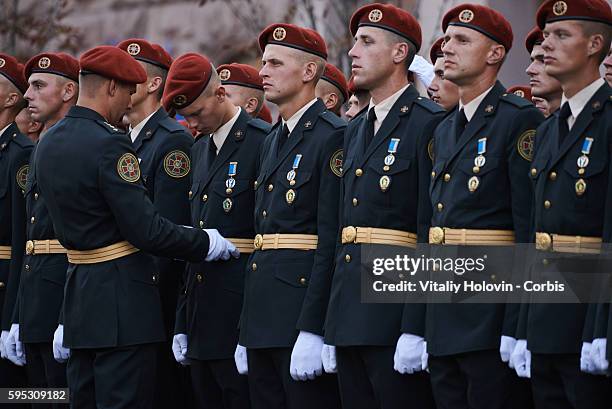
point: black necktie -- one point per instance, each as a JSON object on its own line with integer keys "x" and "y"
{"x": 212, "y": 152}
{"x": 282, "y": 138}
{"x": 369, "y": 131}
{"x": 565, "y": 113}
{"x": 460, "y": 123}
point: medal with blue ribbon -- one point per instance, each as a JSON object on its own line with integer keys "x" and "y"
{"x": 231, "y": 172}
{"x": 293, "y": 172}
{"x": 391, "y": 149}
{"x": 583, "y": 162}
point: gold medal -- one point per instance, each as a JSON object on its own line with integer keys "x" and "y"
{"x": 473, "y": 183}
{"x": 290, "y": 196}
{"x": 384, "y": 183}
{"x": 580, "y": 187}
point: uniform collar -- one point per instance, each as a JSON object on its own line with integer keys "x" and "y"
{"x": 136, "y": 130}
{"x": 220, "y": 135}
{"x": 78, "y": 111}
{"x": 4, "y": 129}
{"x": 383, "y": 107}
{"x": 578, "y": 101}
{"x": 295, "y": 118}
{"x": 470, "y": 108}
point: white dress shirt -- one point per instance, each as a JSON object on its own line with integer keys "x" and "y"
{"x": 220, "y": 135}
{"x": 383, "y": 107}
{"x": 579, "y": 101}
{"x": 470, "y": 108}
{"x": 295, "y": 118}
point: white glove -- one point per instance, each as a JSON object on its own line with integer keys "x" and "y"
{"x": 219, "y": 247}
{"x": 598, "y": 356}
{"x": 240, "y": 358}
{"x": 60, "y": 353}
{"x": 306, "y": 357}
{"x": 423, "y": 70}
{"x": 14, "y": 347}
{"x": 506, "y": 346}
{"x": 179, "y": 349}
{"x": 425, "y": 358}
{"x": 328, "y": 357}
{"x": 408, "y": 356}
{"x": 3, "y": 337}
{"x": 586, "y": 364}
{"x": 520, "y": 359}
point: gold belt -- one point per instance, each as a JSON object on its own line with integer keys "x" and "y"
{"x": 244, "y": 245}
{"x": 374, "y": 235}
{"x": 5, "y": 252}
{"x": 470, "y": 237}
{"x": 112, "y": 252}
{"x": 568, "y": 244}
{"x": 285, "y": 241}
{"x": 44, "y": 247}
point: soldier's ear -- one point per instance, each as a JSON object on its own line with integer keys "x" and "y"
{"x": 251, "y": 105}
{"x": 111, "y": 87}
{"x": 496, "y": 54}
{"x": 400, "y": 52}
{"x": 331, "y": 100}
{"x": 11, "y": 100}
{"x": 596, "y": 43}
{"x": 310, "y": 71}
{"x": 154, "y": 84}
{"x": 70, "y": 91}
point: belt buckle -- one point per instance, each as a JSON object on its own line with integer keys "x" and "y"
{"x": 349, "y": 234}
{"x": 543, "y": 241}
{"x": 436, "y": 235}
{"x": 258, "y": 242}
{"x": 29, "y": 247}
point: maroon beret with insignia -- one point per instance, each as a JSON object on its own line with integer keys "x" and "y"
{"x": 535, "y": 37}
{"x": 188, "y": 77}
{"x": 53, "y": 63}
{"x": 240, "y": 74}
{"x": 586, "y": 10}
{"x": 388, "y": 17}
{"x": 112, "y": 62}
{"x": 265, "y": 114}
{"x": 522, "y": 91}
{"x": 290, "y": 35}
{"x": 435, "y": 51}
{"x": 335, "y": 77}
{"x": 145, "y": 51}
{"x": 483, "y": 19}
{"x": 12, "y": 70}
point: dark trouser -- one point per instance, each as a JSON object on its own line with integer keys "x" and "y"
{"x": 368, "y": 381}
{"x": 12, "y": 376}
{"x": 172, "y": 381}
{"x": 272, "y": 387}
{"x": 476, "y": 380}
{"x": 218, "y": 385}
{"x": 112, "y": 378}
{"x": 44, "y": 371}
{"x": 558, "y": 383}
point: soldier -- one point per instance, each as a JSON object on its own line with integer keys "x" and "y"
{"x": 332, "y": 89}
{"x": 608, "y": 66}
{"x": 15, "y": 151}
{"x": 480, "y": 196}
{"x": 358, "y": 101}
{"x": 442, "y": 91}
{"x": 225, "y": 164}
{"x": 571, "y": 178}
{"x": 243, "y": 87}
{"x": 27, "y": 125}
{"x": 296, "y": 210}
{"x": 546, "y": 90}
{"x": 90, "y": 177}
{"x": 522, "y": 91}
{"x": 53, "y": 90}
{"x": 164, "y": 149}
{"x": 386, "y": 171}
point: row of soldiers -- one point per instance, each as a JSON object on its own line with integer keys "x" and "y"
{"x": 262, "y": 227}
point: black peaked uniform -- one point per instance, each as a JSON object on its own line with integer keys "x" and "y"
{"x": 463, "y": 339}
{"x": 287, "y": 290}
{"x": 209, "y": 310}
{"x": 555, "y": 332}
{"x": 163, "y": 147}
{"x": 15, "y": 151}
{"x": 366, "y": 334}
{"x": 89, "y": 175}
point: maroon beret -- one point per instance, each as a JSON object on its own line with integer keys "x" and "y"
{"x": 435, "y": 51}
{"x": 13, "y": 71}
{"x": 388, "y": 17}
{"x": 188, "y": 77}
{"x": 535, "y": 37}
{"x": 587, "y": 10}
{"x": 482, "y": 19}
{"x": 147, "y": 52}
{"x": 240, "y": 74}
{"x": 335, "y": 77}
{"x": 265, "y": 114}
{"x": 522, "y": 91}
{"x": 112, "y": 62}
{"x": 53, "y": 63}
{"x": 290, "y": 35}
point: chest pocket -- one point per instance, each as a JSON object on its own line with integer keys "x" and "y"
{"x": 385, "y": 188}
{"x": 301, "y": 181}
{"x": 586, "y": 190}
{"x": 479, "y": 189}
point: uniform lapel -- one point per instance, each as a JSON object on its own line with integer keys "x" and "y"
{"x": 149, "y": 129}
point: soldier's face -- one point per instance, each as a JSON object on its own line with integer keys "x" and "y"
{"x": 353, "y": 107}
{"x": 372, "y": 57}
{"x": 566, "y": 49}
{"x": 466, "y": 52}
{"x": 45, "y": 96}
{"x": 442, "y": 91}
{"x": 608, "y": 65}
{"x": 542, "y": 85}
{"x": 204, "y": 114}
{"x": 121, "y": 102}
{"x": 282, "y": 73}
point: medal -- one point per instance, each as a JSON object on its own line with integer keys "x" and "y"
{"x": 580, "y": 187}
{"x": 384, "y": 183}
{"x": 480, "y": 160}
{"x": 227, "y": 205}
{"x": 290, "y": 196}
{"x": 389, "y": 159}
{"x": 296, "y": 161}
{"x": 231, "y": 182}
{"x": 583, "y": 161}
{"x": 473, "y": 184}
{"x": 291, "y": 175}
{"x": 393, "y": 143}
{"x": 586, "y": 145}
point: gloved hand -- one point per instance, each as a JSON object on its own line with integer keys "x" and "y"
{"x": 598, "y": 356}
{"x": 179, "y": 349}
{"x": 423, "y": 70}
{"x": 425, "y": 358}
{"x": 3, "y": 337}
{"x": 506, "y": 346}
{"x": 328, "y": 357}
{"x": 60, "y": 353}
{"x": 219, "y": 247}
{"x": 520, "y": 359}
{"x": 306, "y": 357}
{"x": 240, "y": 357}
{"x": 586, "y": 364}
{"x": 408, "y": 356}
{"x": 14, "y": 347}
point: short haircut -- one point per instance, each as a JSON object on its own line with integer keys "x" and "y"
{"x": 393, "y": 39}
{"x": 157, "y": 71}
{"x": 590, "y": 28}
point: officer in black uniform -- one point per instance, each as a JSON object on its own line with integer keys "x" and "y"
{"x": 163, "y": 148}
{"x": 296, "y": 210}
{"x": 480, "y": 197}
{"x": 572, "y": 180}
{"x": 225, "y": 164}
{"x": 90, "y": 177}
{"x": 384, "y": 200}
{"x": 15, "y": 151}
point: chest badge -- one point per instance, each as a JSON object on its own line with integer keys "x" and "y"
{"x": 227, "y": 205}
{"x": 391, "y": 150}
{"x": 290, "y": 196}
{"x": 230, "y": 182}
{"x": 384, "y": 183}
{"x": 473, "y": 183}
{"x": 583, "y": 160}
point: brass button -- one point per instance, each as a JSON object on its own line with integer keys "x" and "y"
{"x": 358, "y": 172}
{"x": 264, "y": 213}
{"x": 355, "y": 201}
{"x": 201, "y": 224}
{"x": 347, "y": 258}
{"x": 433, "y": 174}
{"x": 254, "y": 266}
{"x": 255, "y": 185}
{"x": 553, "y": 175}
{"x": 27, "y": 267}
{"x": 581, "y": 171}
{"x": 476, "y": 169}
{"x": 199, "y": 278}
{"x": 32, "y": 220}
{"x": 292, "y": 183}
{"x": 204, "y": 197}
{"x": 154, "y": 278}
{"x": 545, "y": 261}
{"x": 190, "y": 194}
{"x": 35, "y": 196}
{"x": 386, "y": 168}
{"x": 547, "y": 204}
{"x": 302, "y": 281}
{"x": 1, "y": 284}
{"x": 534, "y": 171}
{"x": 270, "y": 187}
{"x": 228, "y": 191}
{"x": 447, "y": 177}
{"x": 440, "y": 206}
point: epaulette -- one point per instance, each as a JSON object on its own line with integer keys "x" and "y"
{"x": 259, "y": 124}
{"x": 429, "y": 105}
{"x": 332, "y": 119}
{"x": 171, "y": 125}
{"x": 108, "y": 127}
{"x": 515, "y": 100}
